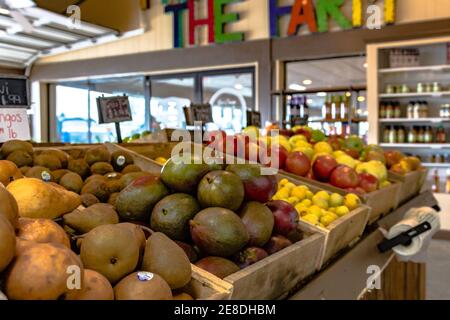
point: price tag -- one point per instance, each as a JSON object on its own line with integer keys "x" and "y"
{"x": 14, "y": 124}
{"x": 114, "y": 109}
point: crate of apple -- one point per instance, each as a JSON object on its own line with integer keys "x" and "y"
{"x": 342, "y": 218}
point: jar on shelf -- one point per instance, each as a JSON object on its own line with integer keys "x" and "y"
{"x": 390, "y": 89}
{"x": 420, "y": 87}
{"x": 441, "y": 135}
{"x": 423, "y": 110}
{"x": 436, "y": 87}
{"x": 416, "y": 112}
{"x": 412, "y": 135}
{"x": 397, "y": 110}
{"x": 382, "y": 110}
{"x": 401, "y": 135}
{"x": 428, "y": 135}
{"x": 410, "y": 110}
{"x": 404, "y": 89}
{"x": 389, "y": 110}
{"x": 393, "y": 135}
{"x": 421, "y": 135}
{"x": 386, "y": 134}
{"x": 428, "y": 87}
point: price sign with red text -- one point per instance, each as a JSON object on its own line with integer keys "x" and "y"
{"x": 14, "y": 125}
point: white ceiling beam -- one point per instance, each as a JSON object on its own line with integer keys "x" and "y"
{"x": 26, "y": 41}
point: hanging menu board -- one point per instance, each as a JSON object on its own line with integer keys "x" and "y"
{"x": 113, "y": 109}
{"x": 254, "y": 119}
{"x": 198, "y": 112}
{"x": 14, "y": 92}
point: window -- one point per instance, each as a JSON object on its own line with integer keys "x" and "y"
{"x": 77, "y": 114}
{"x": 168, "y": 97}
{"x": 230, "y": 96}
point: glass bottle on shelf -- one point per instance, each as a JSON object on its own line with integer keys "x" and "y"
{"x": 436, "y": 181}
{"x": 401, "y": 135}
{"x": 397, "y": 110}
{"x": 412, "y": 135}
{"x": 335, "y": 108}
{"x": 393, "y": 135}
{"x": 386, "y": 134}
{"x": 428, "y": 136}
{"x": 421, "y": 135}
{"x": 433, "y": 158}
{"x": 389, "y": 110}
{"x": 416, "y": 112}
{"x": 423, "y": 112}
{"x": 410, "y": 110}
{"x": 345, "y": 106}
{"x": 382, "y": 110}
{"x": 328, "y": 106}
{"x": 440, "y": 135}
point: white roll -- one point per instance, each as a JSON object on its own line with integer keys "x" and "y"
{"x": 413, "y": 218}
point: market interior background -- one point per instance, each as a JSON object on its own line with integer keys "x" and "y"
{"x": 126, "y": 47}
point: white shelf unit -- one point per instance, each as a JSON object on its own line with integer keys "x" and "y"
{"x": 419, "y": 120}
{"x": 433, "y": 67}
{"x": 430, "y": 146}
{"x": 414, "y": 95}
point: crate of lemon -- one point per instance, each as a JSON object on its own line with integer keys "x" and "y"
{"x": 341, "y": 218}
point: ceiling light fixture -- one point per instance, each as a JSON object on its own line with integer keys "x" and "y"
{"x": 238, "y": 86}
{"x": 307, "y": 82}
{"x": 321, "y": 94}
{"x": 297, "y": 87}
{"x": 4, "y": 11}
{"x": 366, "y": 65}
{"x": 348, "y": 94}
{"x": 361, "y": 99}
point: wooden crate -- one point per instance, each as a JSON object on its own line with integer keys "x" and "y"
{"x": 151, "y": 150}
{"x": 340, "y": 234}
{"x": 411, "y": 184}
{"x": 381, "y": 202}
{"x": 271, "y": 277}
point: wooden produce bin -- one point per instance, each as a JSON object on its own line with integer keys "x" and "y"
{"x": 151, "y": 150}
{"x": 410, "y": 184}
{"x": 342, "y": 233}
{"x": 270, "y": 278}
{"x": 381, "y": 202}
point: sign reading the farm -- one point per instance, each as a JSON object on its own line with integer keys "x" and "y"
{"x": 314, "y": 14}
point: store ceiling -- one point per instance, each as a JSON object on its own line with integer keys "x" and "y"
{"x": 28, "y": 32}
{"x": 328, "y": 73}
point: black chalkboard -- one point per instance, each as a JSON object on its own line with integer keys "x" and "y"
{"x": 14, "y": 92}
{"x": 254, "y": 119}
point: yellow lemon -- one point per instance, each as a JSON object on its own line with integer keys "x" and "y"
{"x": 292, "y": 200}
{"x": 289, "y": 186}
{"x": 323, "y": 194}
{"x": 327, "y": 219}
{"x": 309, "y": 195}
{"x": 311, "y": 219}
{"x": 298, "y": 192}
{"x": 315, "y": 210}
{"x": 283, "y": 193}
{"x": 342, "y": 211}
{"x": 352, "y": 201}
{"x": 332, "y": 210}
{"x": 301, "y": 210}
{"x": 347, "y": 161}
{"x": 336, "y": 200}
{"x": 338, "y": 153}
{"x": 161, "y": 160}
{"x": 323, "y": 147}
{"x": 320, "y": 202}
{"x": 283, "y": 182}
{"x": 307, "y": 203}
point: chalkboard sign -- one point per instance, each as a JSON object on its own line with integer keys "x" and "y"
{"x": 198, "y": 112}
{"x": 254, "y": 119}
{"x": 113, "y": 109}
{"x": 14, "y": 92}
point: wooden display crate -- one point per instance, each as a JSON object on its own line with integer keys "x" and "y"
{"x": 411, "y": 184}
{"x": 381, "y": 202}
{"x": 269, "y": 278}
{"x": 342, "y": 233}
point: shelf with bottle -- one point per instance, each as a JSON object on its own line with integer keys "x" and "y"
{"x": 414, "y": 135}
{"x": 433, "y": 68}
{"x": 414, "y": 111}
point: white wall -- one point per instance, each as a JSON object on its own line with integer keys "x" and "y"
{"x": 444, "y": 203}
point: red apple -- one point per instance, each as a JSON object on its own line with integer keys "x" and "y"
{"x": 368, "y": 182}
{"x": 344, "y": 177}
{"x": 298, "y": 163}
{"x": 303, "y": 131}
{"x": 352, "y": 153}
{"x": 287, "y": 133}
{"x": 257, "y": 187}
{"x": 323, "y": 167}
{"x": 358, "y": 191}
{"x": 334, "y": 142}
{"x": 276, "y": 152}
{"x": 392, "y": 157}
{"x": 286, "y": 217}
